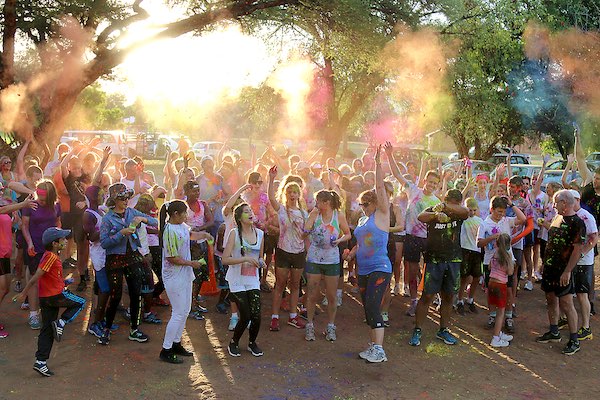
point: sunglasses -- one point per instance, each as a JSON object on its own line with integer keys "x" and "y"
{"x": 7, "y": 162}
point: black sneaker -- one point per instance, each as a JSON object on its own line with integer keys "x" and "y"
{"x": 138, "y": 336}
{"x": 549, "y": 337}
{"x": 105, "y": 338}
{"x": 509, "y": 325}
{"x": 42, "y": 368}
{"x": 58, "y": 330}
{"x": 571, "y": 348}
{"x": 563, "y": 323}
{"x": 473, "y": 308}
{"x": 255, "y": 350}
{"x": 180, "y": 350}
{"x": 234, "y": 350}
{"x": 169, "y": 356}
{"x": 460, "y": 309}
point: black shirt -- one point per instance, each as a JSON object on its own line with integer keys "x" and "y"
{"x": 443, "y": 240}
{"x": 590, "y": 200}
{"x": 76, "y": 193}
{"x": 564, "y": 233}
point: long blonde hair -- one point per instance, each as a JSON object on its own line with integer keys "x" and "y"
{"x": 503, "y": 250}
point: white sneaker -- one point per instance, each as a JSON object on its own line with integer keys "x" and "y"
{"x": 365, "y": 354}
{"x": 523, "y": 275}
{"x": 506, "y": 337}
{"x": 330, "y": 334}
{"x": 309, "y": 332}
{"x": 338, "y": 299}
{"x": 499, "y": 342}
{"x": 376, "y": 356}
{"x": 325, "y": 302}
{"x": 406, "y": 291}
{"x": 396, "y": 290}
{"x": 538, "y": 276}
{"x": 232, "y": 323}
{"x": 528, "y": 286}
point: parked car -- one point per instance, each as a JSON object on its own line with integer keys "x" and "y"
{"x": 528, "y": 170}
{"x": 594, "y": 157}
{"x": 519, "y": 158}
{"x": 554, "y": 175}
{"x": 477, "y": 166}
{"x": 562, "y": 164}
{"x": 207, "y": 148}
{"x": 158, "y": 148}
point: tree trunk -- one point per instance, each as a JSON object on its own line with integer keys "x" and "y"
{"x": 8, "y": 43}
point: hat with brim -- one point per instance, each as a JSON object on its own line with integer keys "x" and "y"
{"x": 53, "y": 234}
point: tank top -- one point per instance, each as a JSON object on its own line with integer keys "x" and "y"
{"x": 245, "y": 274}
{"x": 321, "y": 251}
{"x": 97, "y": 253}
{"x": 372, "y": 247}
{"x": 484, "y": 206}
{"x": 196, "y": 219}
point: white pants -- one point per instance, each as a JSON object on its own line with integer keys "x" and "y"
{"x": 180, "y": 296}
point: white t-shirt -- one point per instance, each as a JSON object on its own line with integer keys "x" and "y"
{"x": 291, "y": 229}
{"x": 143, "y": 235}
{"x": 488, "y": 228}
{"x": 468, "y": 233}
{"x": 590, "y": 228}
{"x": 244, "y": 276}
{"x": 176, "y": 243}
{"x": 130, "y": 185}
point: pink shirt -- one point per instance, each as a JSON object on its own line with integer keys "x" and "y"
{"x": 497, "y": 271}
{"x": 5, "y": 236}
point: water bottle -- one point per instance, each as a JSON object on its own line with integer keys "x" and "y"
{"x": 332, "y": 240}
{"x": 134, "y": 235}
{"x": 262, "y": 263}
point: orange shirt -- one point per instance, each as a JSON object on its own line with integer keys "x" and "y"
{"x": 52, "y": 282}
{"x": 61, "y": 191}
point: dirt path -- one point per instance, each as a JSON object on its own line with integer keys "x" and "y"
{"x": 295, "y": 369}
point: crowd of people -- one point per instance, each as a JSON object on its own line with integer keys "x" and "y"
{"x": 310, "y": 223}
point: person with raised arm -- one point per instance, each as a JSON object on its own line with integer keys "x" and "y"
{"x": 374, "y": 266}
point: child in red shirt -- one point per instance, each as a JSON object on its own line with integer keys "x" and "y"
{"x": 53, "y": 296}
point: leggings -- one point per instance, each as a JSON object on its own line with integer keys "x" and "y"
{"x": 372, "y": 288}
{"x": 248, "y": 303}
{"x": 134, "y": 275}
{"x": 156, "y": 253}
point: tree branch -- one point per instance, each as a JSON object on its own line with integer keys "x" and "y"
{"x": 140, "y": 15}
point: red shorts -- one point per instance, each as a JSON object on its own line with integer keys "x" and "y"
{"x": 497, "y": 294}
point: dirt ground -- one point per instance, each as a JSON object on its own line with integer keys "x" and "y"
{"x": 295, "y": 369}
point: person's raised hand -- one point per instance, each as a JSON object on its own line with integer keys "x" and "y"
{"x": 273, "y": 172}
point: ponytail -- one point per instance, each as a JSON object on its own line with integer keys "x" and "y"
{"x": 162, "y": 217}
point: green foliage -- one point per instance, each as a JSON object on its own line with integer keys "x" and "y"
{"x": 97, "y": 110}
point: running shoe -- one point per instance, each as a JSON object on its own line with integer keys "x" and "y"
{"x": 234, "y": 350}
{"x": 34, "y": 322}
{"x": 42, "y": 368}
{"x": 571, "y": 348}
{"x": 309, "y": 332}
{"x": 338, "y": 299}
{"x": 178, "y": 349}
{"x": 437, "y": 301}
{"x": 201, "y": 309}
{"x": 415, "y": 339}
{"x": 563, "y": 323}
{"x": 18, "y": 287}
{"x": 406, "y": 291}
{"x": 364, "y": 354}
{"x": 585, "y": 334}
{"x": 126, "y": 314}
{"x": 25, "y": 306}
{"x": 506, "y": 337}
{"x": 491, "y": 322}
{"x": 509, "y": 324}
{"x": 376, "y": 355}
{"x": 325, "y": 302}
{"x": 538, "y": 277}
{"x": 528, "y": 286}
{"x": 386, "y": 319}
{"x": 330, "y": 333}
{"x": 95, "y": 329}
{"x": 412, "y": 309}
{"x": 296, "y": 322}
{"x": 138, "y": 336}
{"x": 396, "y": 289}
{"x": 232, "y": 323}
{"x": 169, "y": 356}
{"x": 58, "y": 327}
{"x": 499, "y": 342}
{"x": 105, "y": 338}
{"x": 3, "y": 333}
{"x": 445, "y": 336}
{"x": 274, "y": 325}
{"x": 549, "y": 337}
{"x": 113, "y": 327}
{"x": 460, "y": 309}
{"x": 254, "y": 349}
{"x": 152, "y": 318}
{"x": 472, "y": 308}
{"x": 197, "y": 315}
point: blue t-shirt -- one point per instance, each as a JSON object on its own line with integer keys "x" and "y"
{"x": 372, "y": 242}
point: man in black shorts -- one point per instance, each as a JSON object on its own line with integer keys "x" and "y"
{"x": 565, "y": 240}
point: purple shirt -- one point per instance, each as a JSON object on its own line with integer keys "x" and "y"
{"x": 40, "y": 220}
